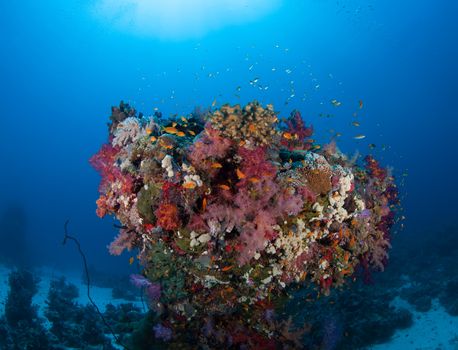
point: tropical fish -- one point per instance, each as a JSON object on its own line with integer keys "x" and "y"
{"x": 224, "y": 187}
{"x": 240, "y": 174}
{"x": 214, "y": 103}
{"x": 184, "y": 119}
{"x": 253, "y": 179}
{"x": 287, "y": 135}
{"x": 181, "y": 134}
{"x": 131, "y": 260}
{"x": 356, "y": 124}
{"x": 360, "y": 137}
{"x": 336, "y": 103}
{"x": 254, "y": 81}
{"x": 227, "y": 268}
{"x": 153, "y": 138}
{"x": 361, "y": 104}
{"x": 192, "y": 132}
{"x": 204, "y": 203}
{"x": 216, "y": 165}
{"x": 189, "y": 185}
{"x": 171, "y": 130}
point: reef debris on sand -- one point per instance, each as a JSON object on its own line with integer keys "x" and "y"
{"x": 227, "y": 210}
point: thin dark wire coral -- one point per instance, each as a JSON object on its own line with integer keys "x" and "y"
{"x": 88, "y": 280}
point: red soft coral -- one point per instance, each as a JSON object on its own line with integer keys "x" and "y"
{"x": 374, "y": 168}
{"x": 298, "y": 132}
{"x": 255, "y": 165}
{"x": 104, "y": 162}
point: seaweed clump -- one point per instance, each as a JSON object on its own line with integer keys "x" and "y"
{"x": 228, "y": 211}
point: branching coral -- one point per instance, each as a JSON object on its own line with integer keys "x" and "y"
{"x": 229, "y": 208}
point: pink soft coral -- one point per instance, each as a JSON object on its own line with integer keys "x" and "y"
{"x": 210, "y": 145}
{"x": 255, "y": 234}
{"x": 124, "y": 240}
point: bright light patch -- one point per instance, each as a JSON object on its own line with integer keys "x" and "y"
{"x": 181, "y": 19}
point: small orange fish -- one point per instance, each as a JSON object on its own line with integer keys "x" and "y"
{"x": 216, "y": 165}
{"x": 131, "y": 260}
{"x": 165, "y": 144}
{"x": 204, "y": 203}
{"x": 287, "y": 135}
{"x": 181, "y": 134}
{"x": 189, "y": 185}
{"x": 148, "y": 131}
{"x": 254, "y": 180}
{"x": 242, "y": 143}
{"x": 224, "y": 187}
{"x": 192, "y": 132}
{"x": 317, "y": 147}
{"x": 227, "y": 268}
{"x": 240, "y": 174}
{"x": 251, "y": 128}
{"x": 153, "y": 138}
{"x": 171, "y": 130}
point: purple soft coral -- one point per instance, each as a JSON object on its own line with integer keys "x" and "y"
{"x": 153, "y": 290}
{"x": 162, "y": 333}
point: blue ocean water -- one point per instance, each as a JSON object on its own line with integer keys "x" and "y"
{"x": 64, "y": 64}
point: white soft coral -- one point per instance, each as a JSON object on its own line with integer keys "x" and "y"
{"x": 128, "y": 131}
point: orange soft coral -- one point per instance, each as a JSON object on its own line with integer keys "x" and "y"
{"x": 168, "y": 216}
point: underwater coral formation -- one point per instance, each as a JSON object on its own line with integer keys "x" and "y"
{"x": 21, "y": 328}
{"x": 227, "y": 210}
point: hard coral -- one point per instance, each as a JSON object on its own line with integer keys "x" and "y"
{"x": 253, "y": 125}
{"x": 318, "y": 181}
